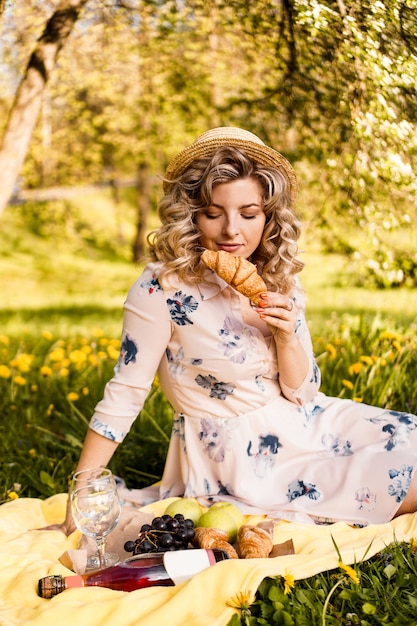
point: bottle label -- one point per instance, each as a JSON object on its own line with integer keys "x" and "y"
{"x": 182, "y": 565}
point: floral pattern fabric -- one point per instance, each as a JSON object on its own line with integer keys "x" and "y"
{"x": 239, "y": 433}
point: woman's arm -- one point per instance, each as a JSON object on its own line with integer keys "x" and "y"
{"x": 299, "y": 375}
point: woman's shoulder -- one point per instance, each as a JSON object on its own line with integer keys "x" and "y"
{"x": 149, "y": 280}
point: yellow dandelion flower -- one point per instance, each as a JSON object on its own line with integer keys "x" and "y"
{"x": 97, "y": 332}
{"x": 46, "y": 334}
{"x": 102, "y": 355}
{"x": 289, "y": 582}
{"x": 85, "y": 391}
{"x": 46, "y": 371}
{"x": 32, "y": 453}
{"x": 57, "y": 354}
{"x": 86, "y": 349}
{"x": 72, "y": 396}
{"x": 396, "y": 344}
{"x": 5, "y": 371}
{"x": 413, "y": 546}
{"x": 331, "y": 350}
{"x": 49, "y": 410}
{"x": 347, "y": 383}
{"x": 387, "y": 334}
{"x": 103, "y": 341}
{"x": 64, "y": 372}
{"x": 4, "y": 339}
{"x": 12, "y": 495}
{"x": 93, "y": 359}
{"x": 350, "y": 572}
{"x": 356, "y": 399}
{"x": 355, "y": 368}
{"x": 366, "y": 359}
{"x": 19, "y": 380}
{"x": 34, "y": 388}
{"x": 115, "y": 343}
{"x": 22, "y": 362}
{"x": 242, "y": 601}
{"x": 77, "y": 356}
{"x": 113, "y": 353}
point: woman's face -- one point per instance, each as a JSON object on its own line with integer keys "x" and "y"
{"x": 235, "y": 220}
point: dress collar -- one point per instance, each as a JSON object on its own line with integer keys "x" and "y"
{"x": 212, "y": 287}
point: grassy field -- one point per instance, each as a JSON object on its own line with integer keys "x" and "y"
{"x": 64, "y": 274}
{"x": 67, "y": 267}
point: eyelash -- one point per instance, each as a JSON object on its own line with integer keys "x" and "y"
{"x": 245, "y": 217}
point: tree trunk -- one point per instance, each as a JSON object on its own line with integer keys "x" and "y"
{"x": 144, "y": 208}
{"x": 26, "y": 106}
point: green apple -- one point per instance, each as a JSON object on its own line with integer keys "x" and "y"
{"x": 232, "y": 509}
{"x": 220, "y": 518}
{"x": 189, "y": 507}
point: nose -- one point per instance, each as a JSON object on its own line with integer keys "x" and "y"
{"x": 231, "y": 227}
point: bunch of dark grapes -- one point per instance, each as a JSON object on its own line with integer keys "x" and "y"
{"x": 163, "y": 534}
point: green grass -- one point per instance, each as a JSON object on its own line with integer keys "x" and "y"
{"x": 63, "y": 282}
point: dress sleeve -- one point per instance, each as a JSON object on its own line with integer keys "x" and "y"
{"x": 311, "y": 383}
{"x": 145, "y": 335}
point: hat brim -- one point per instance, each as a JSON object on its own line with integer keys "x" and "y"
{"x": 257, "y": 151}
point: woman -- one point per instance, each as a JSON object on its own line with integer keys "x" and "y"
{"x": 250, "y": 423}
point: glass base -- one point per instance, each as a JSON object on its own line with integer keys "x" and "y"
{"x": 93, "y": 561}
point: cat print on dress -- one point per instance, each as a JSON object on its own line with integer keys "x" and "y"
{"x": 152, "y": 285}
{"x": 218, "y": 389}
{"x": 335, "y": 445}
{"x": 397, "y": 433}
{"x": 237, "y": 340}
{"x": 179, "y": 306}
{"x": 268, "y": 446}
{"x": 401, "y": 480}
{"x": 366, "y": 499}
{"x": 299, "y": 488}
{"x": 214, "y": 438}
{"x": 128, "y": 351}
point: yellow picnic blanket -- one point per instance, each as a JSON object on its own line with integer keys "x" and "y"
{"x": 28, "y": 554}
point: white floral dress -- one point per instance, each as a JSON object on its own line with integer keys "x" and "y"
{"x": 240, "y": 434}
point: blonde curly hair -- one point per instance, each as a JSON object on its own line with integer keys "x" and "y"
{"x": 177, "y": 241}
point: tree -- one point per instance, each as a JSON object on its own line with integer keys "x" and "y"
{"x": 25, "y": 110}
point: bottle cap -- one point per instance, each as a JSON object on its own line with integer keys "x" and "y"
{"x": 50, "y": 586}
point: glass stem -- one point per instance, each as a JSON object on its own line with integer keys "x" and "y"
{"x": 101, "y": 551}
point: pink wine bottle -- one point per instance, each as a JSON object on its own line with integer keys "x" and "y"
{"x": 146, "y": 570}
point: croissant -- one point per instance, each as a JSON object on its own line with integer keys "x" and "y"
{"x": 237, "y": 272}
{"x": 214, "y": 538}
{"x": 253, "y": 542}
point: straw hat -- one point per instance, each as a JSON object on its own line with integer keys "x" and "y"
{"x": 208, "y": 142}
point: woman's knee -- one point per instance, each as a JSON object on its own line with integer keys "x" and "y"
{"x": 409, "y": 504}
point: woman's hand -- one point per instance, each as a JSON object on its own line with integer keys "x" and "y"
{"x": 280, "y": 313}
{"x": 67, "y": 526}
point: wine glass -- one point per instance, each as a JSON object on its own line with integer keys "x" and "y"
{"x": 96, "y": 474}
{"x": 96, "y": 511}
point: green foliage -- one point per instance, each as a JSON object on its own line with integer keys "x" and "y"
{"x": 49, "y": 387}
{"x": 61, "y": 318}
{"x": 48, "y": 391}
{"x": 369, "y": 363}
{"x": 379, "y": 590}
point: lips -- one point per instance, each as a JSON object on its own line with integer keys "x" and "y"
{"x": 229, "y": 247}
